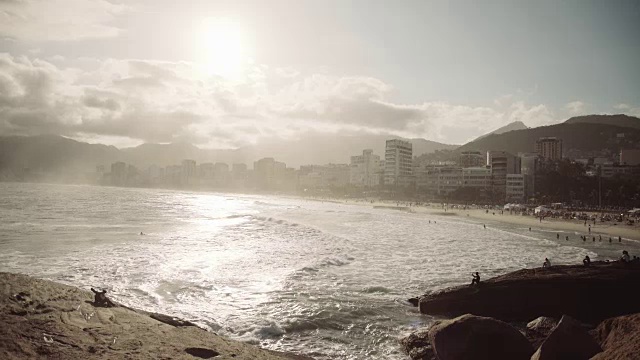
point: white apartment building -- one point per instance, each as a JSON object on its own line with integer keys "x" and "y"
{"x": 398, "y": 158}
{"x": 515, "y": 188}
{"x": 476, "y": 177}
{"x": 365, "y": 170}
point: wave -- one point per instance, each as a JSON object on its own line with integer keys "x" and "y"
{"x": 377, "y": 289}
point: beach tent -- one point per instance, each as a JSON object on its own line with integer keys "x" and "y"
{"x": 540, "y": 209}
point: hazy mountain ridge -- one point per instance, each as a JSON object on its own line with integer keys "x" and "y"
{"x": 55, "y": 153}
{"x": 575, "y": 136}
{"x": 616, "y": 120}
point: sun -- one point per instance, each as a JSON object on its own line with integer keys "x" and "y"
{"x": 220, "y": 48}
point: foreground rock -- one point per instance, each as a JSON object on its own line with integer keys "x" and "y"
{"x": 537, "y": 330}
{"x": 418, "y": 346}
{"x": 590, "y": 294}
{"x": 45, "y": 320}
{"x": 619, "y": 338}
{"x": 567, "y": 341}
{"x": 479, "y": 338}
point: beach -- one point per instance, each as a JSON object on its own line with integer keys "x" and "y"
{"x": 606, "y": 230}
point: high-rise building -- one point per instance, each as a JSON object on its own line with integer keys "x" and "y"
{"x": 398, "y": 158}
{"x": 118, "y": 173}
{"x": 365, "y": 169}
{"x": 529, "y": 163}
{"x": 515, "y": 188}
{"x": 471, "y": 159}
{"x": 549, "y": 148}
{"x": 501, "y": 164}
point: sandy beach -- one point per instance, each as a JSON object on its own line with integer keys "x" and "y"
{"x": 607, "y": 229}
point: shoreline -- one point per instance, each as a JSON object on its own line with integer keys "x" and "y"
{"x": 45, "y": 319}
{"x": 577, "y": 227}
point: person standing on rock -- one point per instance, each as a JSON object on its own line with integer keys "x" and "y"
{"x": 586, "y": 261}
{"x": 546, "y": 263}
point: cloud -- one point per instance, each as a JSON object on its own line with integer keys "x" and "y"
{"x": 155, "y": 101}
{"x": 58, "y": 20}
{"x": 575, "y": 107}
{"x": 628, "y": 109}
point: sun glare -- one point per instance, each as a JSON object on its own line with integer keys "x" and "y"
{"x": 220, "y": 48}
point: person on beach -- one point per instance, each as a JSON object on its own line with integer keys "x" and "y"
{"x": 546, "y": 263}
{"x": 567, "y": 238}
{"x": 619, "y": 238}
{"x": 609, "y": 239}
{"x": 594, "y": 239}
{"x": 485, "y": 225}
{"x": 557, "y": 236}
{"x": 586, "y": 261}
{"x": 476, "y": 278}
{"x": 589, "y": 228}
{"x": 100, "y": 299}
{"x": 599, "y": 237}
{"x": 529, "y": 229}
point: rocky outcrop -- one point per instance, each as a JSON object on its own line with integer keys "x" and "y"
{"x": 479, "y": 338}
{"x": 619, "y": 338}
{"x": 590, "y": 294}
{"x": 41, "y": 319}
{"x": 568, "y": 341}
{"x": 417, "y": 345}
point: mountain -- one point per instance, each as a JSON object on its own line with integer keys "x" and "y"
{"x": 50, "y": 153}
{"x": 576, "y": 137}
{"x": 516, "y": 125}
{"x": 327, "y": 148}
{"x": 616, "y": 120}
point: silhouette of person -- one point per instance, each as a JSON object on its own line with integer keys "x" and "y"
{"x": 476, "y": 279}
{"x": 546, "y": 263}
{"x": 100, "y": 299}
{"x": 586, "y": 261}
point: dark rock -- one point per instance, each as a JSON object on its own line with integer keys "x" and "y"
{"x": 536, "y": 331}
{"x": 619, "y": 338}
{"x": 170, "y": 320}
{"x": 418, "y": 346}
{"x": 567, "y": 341}
{"x": 476, "y": 337}
{"x": 522, "y": 295}
{"x": 414, "y": 301}
{"x": 201, "y": 352}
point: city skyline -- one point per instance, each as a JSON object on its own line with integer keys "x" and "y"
{"x": 216, "y": 75}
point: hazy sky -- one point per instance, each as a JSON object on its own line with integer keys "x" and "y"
{"x": 229, "y": 73}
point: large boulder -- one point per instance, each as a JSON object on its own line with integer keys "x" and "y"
{"x": 567, "y": 341}
{"x": 478, "y": 338}
{"x": 619, "y": 338}
{"x": 577, "y": 291}
{"x": 537, "y": 330}
{"x": 417, "y": 345}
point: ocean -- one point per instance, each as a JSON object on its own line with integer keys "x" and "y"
{"x": 319, "y": 278}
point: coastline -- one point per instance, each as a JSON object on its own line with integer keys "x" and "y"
{"x": 45, "y": 319}
{"x": 571, "y": 226}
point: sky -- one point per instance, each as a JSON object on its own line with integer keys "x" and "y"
{"x": 225, "y": 74}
